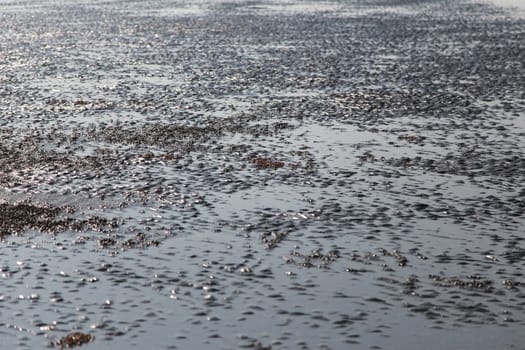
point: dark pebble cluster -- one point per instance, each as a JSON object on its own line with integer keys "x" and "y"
{"x": 262, "y": 174}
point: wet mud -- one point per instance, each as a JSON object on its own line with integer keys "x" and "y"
{"x": 262, "y": 174}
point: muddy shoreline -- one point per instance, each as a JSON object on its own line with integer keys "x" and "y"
{"x": 262, "y": 174}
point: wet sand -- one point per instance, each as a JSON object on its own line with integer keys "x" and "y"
{"x": 262, "y": 174}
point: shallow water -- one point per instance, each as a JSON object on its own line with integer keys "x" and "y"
{"x": 252, "y": 174}
{"x": 510, "y": 3}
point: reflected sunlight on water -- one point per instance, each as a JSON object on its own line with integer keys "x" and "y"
{"x": 511, "y": 3}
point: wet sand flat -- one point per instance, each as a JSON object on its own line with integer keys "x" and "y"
{"x": 262, "y": 174}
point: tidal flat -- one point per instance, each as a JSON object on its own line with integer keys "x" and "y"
{"x": 262, "y": 174}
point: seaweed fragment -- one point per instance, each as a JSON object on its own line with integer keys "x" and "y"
{"x": 401, "y": 259}
{"x": 472, "y": 282}
{"x": 316, "y": 258}
{"x": 140, "y": 241}
{"x": 273, "y": 238}
{"x": 17, "y": 218}
{"x": 267, "y": 163}
{"x": 74, "y": 339}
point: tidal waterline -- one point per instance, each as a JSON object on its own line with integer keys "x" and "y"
{"x": 292, "y": 174}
